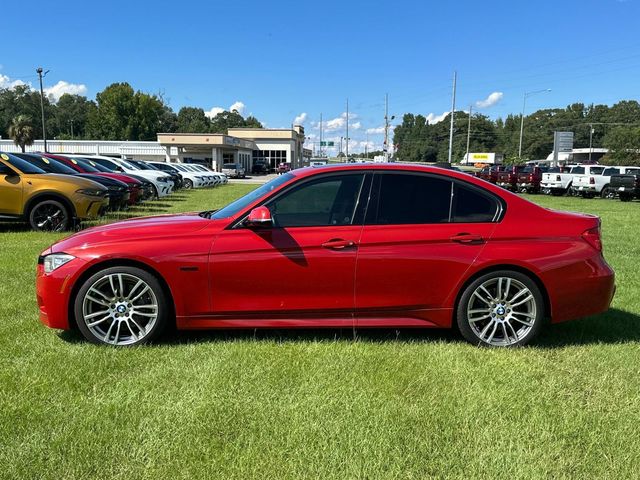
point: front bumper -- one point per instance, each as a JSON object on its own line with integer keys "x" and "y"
{"x": 53, "y": 293}
{"x": 89, "y": 207}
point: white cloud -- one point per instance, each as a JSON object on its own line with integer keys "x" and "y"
{"x": 339, "y": 123}
{"x": 6, "y": 82}
{"x": 433, "y": 118}
{"x": 380, "y": 130}
{"x": 54, "y": 93}
{"x": 300, "y": 119}
{"x": 490, "y": 101}
{"x": 238, "y": 106}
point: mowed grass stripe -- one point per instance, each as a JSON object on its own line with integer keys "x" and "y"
{"x": 319, "y": 404}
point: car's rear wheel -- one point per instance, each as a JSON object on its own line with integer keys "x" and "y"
{"x": 49, "y": 215}
{"x": 608, "y": 192}
{"x": 121, "y": 306}
{"x": 500, "y": 309}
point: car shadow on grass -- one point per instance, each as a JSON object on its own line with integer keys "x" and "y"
{"x": 613, "y": 327}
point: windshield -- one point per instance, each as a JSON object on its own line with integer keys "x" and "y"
{"x": 139, "y": 165}
{"x": 22, "y": 165}
{"x": 241, "y": 203}
{"x": 49, "y": 165}
{"x": 84, "y": 165}
{"x": 89, "y": 164}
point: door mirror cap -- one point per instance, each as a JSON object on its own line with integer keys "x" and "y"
{"x": 259, "y": 217}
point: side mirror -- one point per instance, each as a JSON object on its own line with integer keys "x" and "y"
{"x": 259, "y": 217}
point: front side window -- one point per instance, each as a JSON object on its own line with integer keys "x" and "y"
{"x": 323, "y": 202}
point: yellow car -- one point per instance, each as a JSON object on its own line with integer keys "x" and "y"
{"x": 47, "y": 201}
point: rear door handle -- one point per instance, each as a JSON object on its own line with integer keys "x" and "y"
{"x": 338, "y": 244}
{"x": 467, "y": 238}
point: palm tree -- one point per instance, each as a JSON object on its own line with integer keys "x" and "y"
{"x": 21, "y": 131}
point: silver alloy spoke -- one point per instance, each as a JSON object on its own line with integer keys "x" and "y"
{"x": 140, "y": 329}
{"x": 499, "y": 296}
{"x": 515, "y": 334}
{"x": 95, "y": 290}
{"x": 485, "y": 329}
{"x": 529, "y": 297}
{"x": 108, "y": 334}
{"x": 121, "y": 285}
{"x": 98, "y": 322}
{"x": 145, "y": 306}
{"x": 133, "y": 334}
{"x": 99, "y": 302}
{"x": 135, "y": 287}
{"x": 493, "y": 332}
{"x": 144, "y": 314}
{"x": 113, "y": 287}
{"x": 507, "y": 288}
{"x": 487, "y": 293}
{"x": 96, "y": 314}
{"x": 523, "y": 322}
{"x": 504, "y": 332}
{"x": 488, "y": 302}
{"x": 519, "y": 294}
{"x": 477, "y": 319}
{"x": 115, "y": 340}
{"x": 144, "y": 290}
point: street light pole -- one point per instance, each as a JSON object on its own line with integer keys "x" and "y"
{"x": 590, "y": 140}
{"x": 524, "y": 104}
{"x": 44, "y": 131}
{"x": 453, "y": 108}
{"x": 468, "y": 134}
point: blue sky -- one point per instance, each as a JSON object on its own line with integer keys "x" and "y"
{"x": 281, "y": 60}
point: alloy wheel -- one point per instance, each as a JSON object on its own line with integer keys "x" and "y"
{"x": 120, "y": 309}
{"x": 49, "y": 216}
{"x": 501, "y": 311}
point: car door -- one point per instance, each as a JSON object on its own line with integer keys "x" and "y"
{"x": 301, "y": 267}
{"x": 11, "y": 191}
{"x": 422, "y": 232}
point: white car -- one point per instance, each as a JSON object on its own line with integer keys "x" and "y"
{"x": 558, "y": 180}
{"x": 220, "y": 177}
{"x": 161, "y": 182}
{"x": 211, "y": 180}
{"x": 597, "y": 182}
{"x": 189, "y": 179}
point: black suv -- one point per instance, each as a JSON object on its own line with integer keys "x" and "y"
{"x": 627, "y": 186}
{"x": 259, "y": 167}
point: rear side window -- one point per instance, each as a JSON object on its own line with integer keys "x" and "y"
{"x": 610, "y": 171}
{"x": 471, "y": 205}
{"x": 404, "y": 199}
{"x": 596, "y": 170}
{"x": 577, "y": 170}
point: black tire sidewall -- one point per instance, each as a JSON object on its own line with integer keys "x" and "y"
{"x": 151, "y": 280}
{"x": 58, "y": 203}
{"x": 461, "y": 307}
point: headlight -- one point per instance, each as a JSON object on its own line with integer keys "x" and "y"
{"x": 164, "y": 179}
{"x": 92, "y": 191}
{"x": 55, "y": 260}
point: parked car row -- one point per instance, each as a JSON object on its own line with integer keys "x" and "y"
{"x": 53, "y": 192}
{"x": 586, "y": 181}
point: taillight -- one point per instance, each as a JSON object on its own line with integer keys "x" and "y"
{"x": 592, "y": 237}
{"x": 592, "y": 180}
{"x": 558, "y": 178}
{"x": 531, "y": 177}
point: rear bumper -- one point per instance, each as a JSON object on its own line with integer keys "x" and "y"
{"x": 580, "y": 290}
{"x": 553, "y": 186}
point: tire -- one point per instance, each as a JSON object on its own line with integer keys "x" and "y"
{"x": 104, "y": 317}
{"x": 155, "y": 195}
{"x": 626, "y": 197}
{"x": 486, "y": 316}
{"x": 50, "y": 216}
{"x": 188, "y": 184}
{"x": 608, "y": 192}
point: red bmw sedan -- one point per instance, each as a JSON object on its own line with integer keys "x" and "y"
{"x": 385, "y": 245}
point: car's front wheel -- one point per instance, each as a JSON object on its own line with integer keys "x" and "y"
{"x": 188, "y": 184}
{"x": 121, "y": 306}
{"x": 501, "y": 309}
{"x": 49, "y": 215}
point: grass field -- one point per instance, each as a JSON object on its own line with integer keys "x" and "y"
{"x": 286, "y": 404}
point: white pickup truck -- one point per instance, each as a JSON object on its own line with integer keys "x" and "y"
{"x": 558, "y": 180}
{"x": 596, "y": 182}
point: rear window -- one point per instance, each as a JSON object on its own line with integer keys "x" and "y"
{"x": 577, "y": 170}
{"x": 611, "y": 171}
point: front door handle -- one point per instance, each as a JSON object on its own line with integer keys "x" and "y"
{"x": 467, "y": 238}
{"x": 338, "y": 244}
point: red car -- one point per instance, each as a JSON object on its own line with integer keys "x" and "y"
{"x": 83, "y": 167}
{"x": 361, "y": 245}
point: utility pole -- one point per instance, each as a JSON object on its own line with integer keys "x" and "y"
{"x": 44, "y": 131}
{"x": 386, "y": 127}
{"x": 347, "y": 147}
{"x": 320, "y": 134}
{"x": 366, "y": 147}
{"x": 71, "y": 122}
{"x": 468, "y": 134}
{"x": 590, "y": 140}
{"x": 453, "y": 108}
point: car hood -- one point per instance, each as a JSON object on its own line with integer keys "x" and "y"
{"x": 137, "y": 230}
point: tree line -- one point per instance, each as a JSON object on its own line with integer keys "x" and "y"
{"x": 117, "y": 113}
{"x": 614, "y": 127}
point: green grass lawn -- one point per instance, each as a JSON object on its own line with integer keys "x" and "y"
{"x": 286, "y": 404}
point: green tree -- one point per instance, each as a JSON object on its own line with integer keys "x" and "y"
{"x": 193, "y": 120}
{"x": 115, "y": 113}
{"x": 72, "y": 114}
{"x": 21, "y": 131}
{"x": 624, "y": 145}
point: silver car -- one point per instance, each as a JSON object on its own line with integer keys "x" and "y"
{"x": 234, "y": 170}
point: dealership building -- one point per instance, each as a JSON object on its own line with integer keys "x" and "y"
{"x": 240, "y": 145}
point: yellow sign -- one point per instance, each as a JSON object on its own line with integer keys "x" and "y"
{"x": 480, "y": 156}
{"x": 4, "y": 156}
{"x": 45, "y": 160}
{"x": 75, "y": 162}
